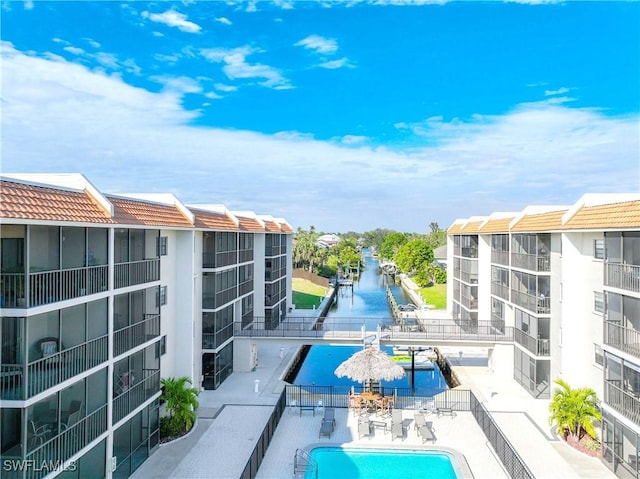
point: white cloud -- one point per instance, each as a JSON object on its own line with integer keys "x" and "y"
{"x": 175, "y": 19}
{"x": 74, "y": 50}
{"x": 236, "y": 66}
{"x": 559, "y": 91}
{"x": 179, "y": 84}
{"x": 61, "y": 117}
{"x": 284, "y": 4}
{"x": 333, "y": 64}
{"x": 28, "y": 5}
{"x": 318, "y": 44}
{"x": 224, "y": 20}
{"x": 225, "y": 88}
{"x": 92, "y": 42}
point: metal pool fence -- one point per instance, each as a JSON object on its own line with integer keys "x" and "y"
{"x": 331, "y": 396}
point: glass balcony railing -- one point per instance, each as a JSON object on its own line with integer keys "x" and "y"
{"x": 136, "y": 394}
{"x": 136, "y": 272}
{"x": 500, "y": 257}
{"x": 135, "y": 334}
{"x": 532, "y": 262}
{"x": 538, "y": 305}
{"x": 625, "y": 339}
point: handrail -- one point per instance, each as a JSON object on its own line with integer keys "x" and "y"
{"x": 303, "y": 462}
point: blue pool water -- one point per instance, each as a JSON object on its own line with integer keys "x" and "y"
{"x": 344, "y": 463}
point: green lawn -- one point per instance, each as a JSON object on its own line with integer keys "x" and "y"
{"x": 306, "y": 294}
{"x": 436, "y": 295}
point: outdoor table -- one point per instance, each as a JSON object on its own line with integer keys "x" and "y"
{"x": 370, "y": 397}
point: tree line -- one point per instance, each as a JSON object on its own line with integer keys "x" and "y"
{"x": 411, "y": 252}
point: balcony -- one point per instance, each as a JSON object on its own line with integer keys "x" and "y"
{"x": 217, "y": 260}
{"x": 47, "y": 372}
{"x": 538, "y": 347}
{"x": 58, "y": 448}
{"x": 245, "y": 255}
{"x": 470, "y": 278}
{"x": 625, "y": 339}
{"x": 622, "y": 276}
{"x": 500, "y": 257}
{"x": 136, "y": 334}
{"x": 136, "y": 272}
{"x": 469, "y": 302}
{"x": 532, "y": 262}
{"x": 47, "y": 287}
{"x": 500, "y": 290}
{"x": 626, "y": 403}
{"x": 136, "y": 394}
{"x": 538, "y": 305}
{"x": 245, "y": 287}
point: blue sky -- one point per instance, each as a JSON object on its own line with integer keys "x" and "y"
{"x": 345, "y": 115}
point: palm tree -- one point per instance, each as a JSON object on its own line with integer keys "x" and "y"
{"x": 181, "y": 401}
{"x": 574, "y": 410}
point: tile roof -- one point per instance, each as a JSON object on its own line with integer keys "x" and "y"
{"x": 613, "y": 215}
{"x": 286, "y": 228}
{"x": 540, "y": 222}
{"x": 455, "y": 228}
{"x": 24, "y": 201}
{"x": 214, "y": 220}
{"x": 271, "y": 226}
{"x": 249, "y": 224}
{"x": 471, "y": 227}
{"x": 128, "y": 211}
{"x": 496, "y": 225}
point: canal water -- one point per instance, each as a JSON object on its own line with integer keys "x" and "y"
{"x": 366, "y": 303}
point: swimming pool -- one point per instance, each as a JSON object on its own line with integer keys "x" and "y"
{"x": 365, "y": 463}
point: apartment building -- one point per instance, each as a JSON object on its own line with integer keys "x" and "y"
{"x": 100, "y": 297}
{"x": 566, "y": 280}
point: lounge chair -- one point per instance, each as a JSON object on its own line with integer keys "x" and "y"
{"x": 364, "y": 427}
{"x": 330, "y": 417}
{"x": 426, "y": 433}
{"x": 326, "y": 428}
{"x": 397, "y": 424}
{"x": 419, "y": 420}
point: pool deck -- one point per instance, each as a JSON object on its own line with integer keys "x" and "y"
{"x": 231, "y": 418}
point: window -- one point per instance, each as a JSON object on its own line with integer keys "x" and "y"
{"x": 162, "y": 296}
{"x": 598, "y": 355}
{"x": 598, "y": 249}
{"x": 162, "y": 245}
{"x": 598, "y": 302}
{"x": 161, "y": 347}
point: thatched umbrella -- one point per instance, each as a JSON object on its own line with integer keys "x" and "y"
{"x": 370, "y": 364}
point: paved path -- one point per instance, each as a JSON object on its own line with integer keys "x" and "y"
{"x": 232, "y": 418}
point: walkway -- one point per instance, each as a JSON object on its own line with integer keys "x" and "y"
{"x": 232, "y": 418}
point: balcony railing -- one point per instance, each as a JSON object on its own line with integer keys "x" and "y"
{"x": 135, "y": 334}
{"x": 539, "y": 347}
{"x": 624, "y": 402}
{"x": 136, "y": 394}
{"x": 623, "y": 276}
{"x": 469, "y": 302}
{"x": 532, "y": 262}
{"x": 501, "y": 290}
{"x": 470, "y": 278}
{"x": 539, "y": 305}
{"x": 245, "y": 255}
{"x": 46, "y": 287}
{"x": 500, "y": 257}
{"x": 625, "y": 339}
{"x": 47, "y": 372}
{"x": 217, "y": 260}
{"x": 136, "y": 272}
{"x": 71, "y": 440}
{"x": 245, "y": 287}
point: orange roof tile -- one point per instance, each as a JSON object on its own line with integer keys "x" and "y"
{"x": 496, "y": 225}
{"x": 271, "y": 226}
{"x": 613, "y": 215}
{"x": 540, "y": 222}
{"x": 249, "y": 224}
{"x": 128, "y": 211}
{"x": 455, "y": 228}
{"x": 471, "y": 227}
{"x": 213, "y": 220}
{"x": 286, "y": 228}
{"x": 23, "y": 201}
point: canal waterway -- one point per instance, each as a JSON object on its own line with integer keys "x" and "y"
{"x": 366, "y": 303}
